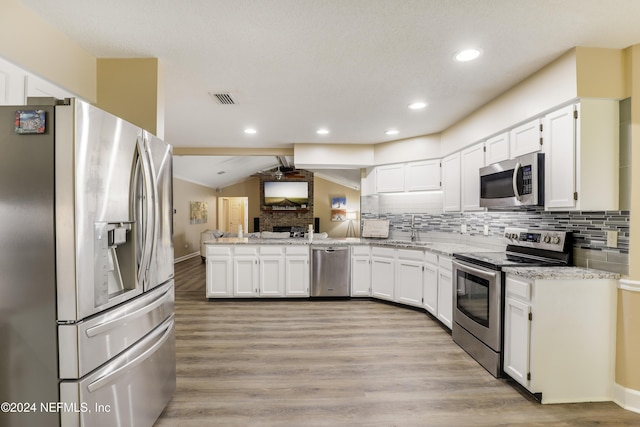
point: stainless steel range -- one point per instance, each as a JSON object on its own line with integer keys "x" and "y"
{"x": 478, "y": 310}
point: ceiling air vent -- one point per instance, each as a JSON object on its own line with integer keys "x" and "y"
{"x": 223, "y": 98}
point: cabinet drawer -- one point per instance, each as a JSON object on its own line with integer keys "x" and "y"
{"x": 271, "y": 250}
{"x": 297, "y": 250}
{"x": 245, "y": 250}
{"x": 383, "y": 252}
{"x": 519, "y": 289}
{"x": 431, "y": 257}
{"x": 213, "y": 250}
{"x": 359, "y": 250}
{"x": 411, "y": 254}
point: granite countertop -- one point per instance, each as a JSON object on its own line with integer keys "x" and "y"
{"x": 560, "y": 273}
{"x": 442, "y": 248}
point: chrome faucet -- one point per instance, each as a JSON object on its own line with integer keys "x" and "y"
{"x": 413, "y": 228}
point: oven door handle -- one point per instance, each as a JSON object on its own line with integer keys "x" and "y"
{"x": 514, "y": 181}
{"x": 489, "y": 275}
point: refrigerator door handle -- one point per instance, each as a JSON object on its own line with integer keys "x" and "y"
{"x": 146, "y": 306}
{"x": 160, "y": 335}
{"x": 143, "y": 206}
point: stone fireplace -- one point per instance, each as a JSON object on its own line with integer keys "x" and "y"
{"x": 287, "y": 218}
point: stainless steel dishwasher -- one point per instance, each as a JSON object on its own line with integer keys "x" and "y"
{"x": 330, "y": 269}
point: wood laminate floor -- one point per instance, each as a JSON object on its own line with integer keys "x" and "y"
{"x": 338, "y": 363}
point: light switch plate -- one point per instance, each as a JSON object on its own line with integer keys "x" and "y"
{"x": 463, "y": 228}
{"x": 612, "y": 239}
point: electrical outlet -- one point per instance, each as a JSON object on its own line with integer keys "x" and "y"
{"x": 612, "y": 239}
{"x": 463, "y": 228}
{"x": 486, "y": 229}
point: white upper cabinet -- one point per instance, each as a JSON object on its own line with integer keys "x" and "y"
{"x": 390, "y": 178}
{"x": 497, "y": 148}
{"x": 16, "y": 85}
{"x": 581, "y": 146}
{"x": 472, "y": 159}
{"x": 422, "y": 176}
{"x": 451, "y": 182}
{"x": 559, "y": 148}
{"x": 368, "y": 182}
{"x": 11, "y": 84}
{"x": 525, "y": 138}
{"x": 37, "y": 87}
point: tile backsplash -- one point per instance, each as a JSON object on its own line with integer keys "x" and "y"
{"x": 589, "y": 228}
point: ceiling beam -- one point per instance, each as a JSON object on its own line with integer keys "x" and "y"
{"x": 231, "y": 151}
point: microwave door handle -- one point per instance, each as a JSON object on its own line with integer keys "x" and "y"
{"x": 514, "y": 181}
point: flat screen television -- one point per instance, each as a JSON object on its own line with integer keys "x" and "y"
{"x": 286, "y": 194}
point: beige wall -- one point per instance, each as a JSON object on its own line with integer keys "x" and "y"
{"x": 324, "y": 191}
{"x": 628, "y": 327}
{"x": 186, "y": 236}
{"x": 129, "y": 88}
{"x": 27, "y": 41}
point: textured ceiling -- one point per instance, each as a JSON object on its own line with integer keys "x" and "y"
{"x": 351, "y": 66}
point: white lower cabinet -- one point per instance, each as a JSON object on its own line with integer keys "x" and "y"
{"x": 383, "y": 263}
{"x": 430, "y": 283}
{"x": 445, "y": 291}
{"x": 245, "y": 271}
{"x": 559, "y": 337}
{"x": 297, "y": 271}
{"x": 360, "y": 271}
{"x": 409, "y": 271}
{"x": 257, "y": 271}
{"x": 219, "y": 272}
{"x": 272, "y": 272}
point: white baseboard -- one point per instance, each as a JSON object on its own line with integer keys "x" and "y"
{"x": 626, "y": 398}
{"x": 186, "y": 257}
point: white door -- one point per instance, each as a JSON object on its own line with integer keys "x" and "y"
{"x": 390, "y": 178}
{"x": 445, "y": 297}
{"x": 382, "y": 277}
{"x": 409, "y": 282}
{"x": 517, "y": 335}
{"x": 472, "y": 161}
{"x": 525, "y": 138}
{"x": 559, "y": 148}
{"x": 430, "y": 288}
{"x": 297, "y": 276}
{"x": 422, "y": 176}
{"x": 272, "y": 276}
{"x": 219, "y": 277}
{"x": 360, "y": 276}
{"x": 497, "y": 148}
{"x": 245, "y": 276}
{"x": 451, "y": 182}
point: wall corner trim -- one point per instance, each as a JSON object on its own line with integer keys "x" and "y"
{"x": 629, "y": 285}
{"x": 626, "y": 398}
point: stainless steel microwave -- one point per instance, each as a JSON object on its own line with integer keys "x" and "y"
{"x": 513, "y": 183}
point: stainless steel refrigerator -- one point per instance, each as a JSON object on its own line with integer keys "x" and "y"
{"x": 86, "y": 268}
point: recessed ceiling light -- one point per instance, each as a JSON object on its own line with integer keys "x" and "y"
{"x": 250, "y": 130}
{"x": 467, "y": 55}
{"x": 391, "y": 132}
{"x": 322, "y": 131}
{"x": 417, "y": 105}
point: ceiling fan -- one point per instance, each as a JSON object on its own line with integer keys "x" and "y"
{"x": 284, "y": 171}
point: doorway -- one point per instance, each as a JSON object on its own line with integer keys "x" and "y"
{"x": 232, "y": 212}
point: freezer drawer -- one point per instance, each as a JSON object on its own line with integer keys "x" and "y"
{"x": 131, "y": 390}
{"x": 88, "y": 344}
{"x": 330, "y": 268}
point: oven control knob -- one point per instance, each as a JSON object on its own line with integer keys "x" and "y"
{"x": 555, "y": 240}
{"x": 546, "y": 238}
